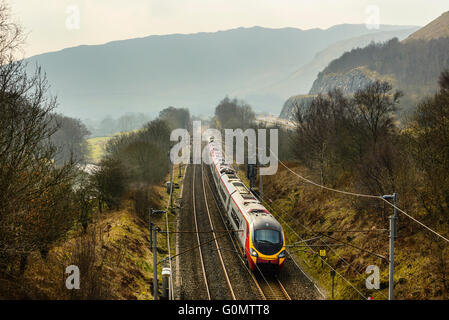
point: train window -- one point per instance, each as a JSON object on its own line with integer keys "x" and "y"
{"x": 235, "y": 218}
{"x": 223, "y": 194}
{"x": 268, "y": 236}
{"x": 215, "y": 176}
{"x": 258, "y": 211}
{"x": 241, "y": 188}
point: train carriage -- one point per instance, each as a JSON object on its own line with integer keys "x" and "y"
{"x": 259, "y": 234}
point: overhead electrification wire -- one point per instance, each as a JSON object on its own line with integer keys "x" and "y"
{"x": 356, "y": 247}
{"x": 192, "y": 248}
{"x": 317, "y": 254}
{"x": 353, "y": 194}
{"x": 414, "y": 219}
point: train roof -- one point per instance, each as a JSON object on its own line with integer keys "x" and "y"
{"x": 249, "y": 205}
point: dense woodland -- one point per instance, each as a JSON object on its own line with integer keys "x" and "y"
{"x": 414, "y": 64}
{"x": 357, "y": 139}
{"x": 135, "y": 161}
{"x": 355, "y": 144}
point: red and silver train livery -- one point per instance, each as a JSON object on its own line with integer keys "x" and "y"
{"x": 261, "y": 235}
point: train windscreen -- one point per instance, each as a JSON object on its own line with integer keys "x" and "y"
{"x": 268, "y": 241}
{"x": 268, "y": 235}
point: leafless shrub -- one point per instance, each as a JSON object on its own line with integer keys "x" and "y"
{"x": 88, "y": 254}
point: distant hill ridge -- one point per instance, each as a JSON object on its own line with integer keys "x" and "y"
{"x": 438, "y": 28}
{"x": 189, "y": 70}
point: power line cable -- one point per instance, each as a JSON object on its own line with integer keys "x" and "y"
{"x": 352, "y": 193}
{"x": 313, "y": 251}
{"x": 317, "y": 254}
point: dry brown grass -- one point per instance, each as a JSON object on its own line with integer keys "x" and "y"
{"x": 420, "y": 272}
{"x": 113, "y": 260}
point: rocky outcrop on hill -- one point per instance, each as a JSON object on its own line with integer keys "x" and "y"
{"x": 300, "y": 101}
{"x": 349, "y": 82}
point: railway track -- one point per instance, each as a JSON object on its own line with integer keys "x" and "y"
{"x": 203, "y": 268}
{"x": 269, "y": 287}
{"x": 206, "y": 238}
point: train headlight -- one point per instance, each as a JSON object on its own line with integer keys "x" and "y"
{"x": 282, "y": 254}
{"x": 253, "y": 252}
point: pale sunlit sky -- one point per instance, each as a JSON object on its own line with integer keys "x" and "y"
{"x": 56, "y": 24}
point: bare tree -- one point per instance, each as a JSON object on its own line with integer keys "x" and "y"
{"x": 34, "y": 192}
{"x": 375, "y": 105}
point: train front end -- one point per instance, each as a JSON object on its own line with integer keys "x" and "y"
{"x": 266, "y": 245}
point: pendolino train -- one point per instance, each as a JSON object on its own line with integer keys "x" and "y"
{"x": 259, "y": 234}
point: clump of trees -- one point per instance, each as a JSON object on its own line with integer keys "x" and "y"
{"x": 337, "y": 135}
{"x": 138, "y": 160}
{"x": 176, "y": 117}
{"x": 429, "y": 145}
{"x": 359, "y": 138}
{"x": 110, "y": 180}
{"x": 233, "y": 114}
{"x": 69, "y": 139}
{"x": 45, "y": 196}
{"x": 43, "y": 193}
{"x": 36, "y": 209}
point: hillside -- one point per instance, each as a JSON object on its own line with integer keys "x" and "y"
{"x": 438, "y": 28}
{"x": 188, "y": 70}
{"x": 302, "y": 79}
{"x": 335, "y": 147}
{"x": 411, "y": 66}
{"x": 114, "y": 254}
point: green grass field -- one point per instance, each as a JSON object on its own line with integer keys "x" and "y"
{"x": 97, "y": 148}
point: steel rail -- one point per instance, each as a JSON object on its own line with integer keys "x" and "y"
{"x": 198, "y": 237}
{"x": 228, "y": 281}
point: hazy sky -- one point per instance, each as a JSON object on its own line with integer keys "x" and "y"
{"x": 57, "y": 24}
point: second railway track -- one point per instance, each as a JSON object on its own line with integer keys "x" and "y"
{"x": 217, "y": 282}
{"x": 271, "y": 287}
